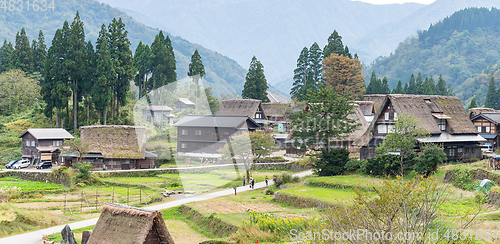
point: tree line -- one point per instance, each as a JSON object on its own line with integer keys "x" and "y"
{"x": 334, "y": 67}
{"x": 418, "y": 86}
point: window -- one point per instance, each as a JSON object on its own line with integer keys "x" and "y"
{"x": 386, "y": 116}
{"x": 183, "y": 145}
{"x": 442, "y": 124}
{"x": 460, "y": 150}
{"x": 56, "y": 143}
{"x": 33, "y": 143}
{"x": 451, "y": 152}
{"x": 382, "y": 129}
{"x": 27, "y": 143}
{"x": 478, "y": 129}
{"x": 487, "y": 129}
{"x": 184, "y": 132}
{"x": 197, "y": 132}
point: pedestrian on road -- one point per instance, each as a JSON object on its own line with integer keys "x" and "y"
{"x": 267, "y": 180}
{"x": 253, "y": 183}
{"x": 250, "y": 183}
{"x": 243, "y": 180}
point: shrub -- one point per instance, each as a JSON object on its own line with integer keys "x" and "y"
{"x": 387, "y": 164}
{"x": 282, "y": 178}
{"x": 305, "y": 161}
{"x": 354, "y": 165}
{"x": 331, "y": 162}
{"x": 429, "y": 159}
{"x": 269, "y": 191}
{"x": 464, "y": 179}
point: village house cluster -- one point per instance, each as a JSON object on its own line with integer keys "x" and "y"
{"x": 463, "y": 136}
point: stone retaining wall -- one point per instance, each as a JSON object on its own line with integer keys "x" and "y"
{"x": 300, "y": 202}
{"x": 214, "y": 224}
{"x": 43, "y": 176}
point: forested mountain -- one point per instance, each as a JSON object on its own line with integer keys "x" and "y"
{"x": 223, "y": 74}
{"x": 464, "y": 48}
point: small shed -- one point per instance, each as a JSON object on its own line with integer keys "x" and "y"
{"x": 128, "y": 225}
{"x": 184, "y": 103}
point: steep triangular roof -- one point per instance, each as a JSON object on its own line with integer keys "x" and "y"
{"x": 240, "y": 107}
{"x": 128, "y": 225}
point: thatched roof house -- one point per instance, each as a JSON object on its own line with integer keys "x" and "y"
{"x": 476, "y": 111}
{"x": 277, "y": 98}
{"x": 444, "y": 117}
{"x": 128, "y": 225}
{"x": 277, "y": 111}
{"x": 242, "y": 107}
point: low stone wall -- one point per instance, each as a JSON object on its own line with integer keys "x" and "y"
{"x": 43, "y": 176}
{"x": 300, "y": 202}
{"x": 214, "y": 224}
{"x": 338, "y": 186}
{"x": 481, "y": 174}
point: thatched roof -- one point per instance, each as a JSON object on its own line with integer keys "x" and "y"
{"x": 240, "y": 107}
{"x": 115, "y": 141}
{"x": 276, "y": 109}
{"x": 277, "y": 98}
{"x": 360, "y": 118}
{"x": 367, "y": 107}
{"x": 128, "y": 225}
{"x": 475, "y": 111}
{"x": 377, "y": 99}
{"x": 427, "y": 108}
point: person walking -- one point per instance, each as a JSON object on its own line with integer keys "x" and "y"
{"x": 253, "y": 183}
{"x": 267, "y": 180}
{"x": 243, "y": 180}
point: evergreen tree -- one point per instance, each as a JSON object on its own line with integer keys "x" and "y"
{"x": 406, "y": 88}
{"x": 441, "y": 88}
{"x": 428, "y": 86}
{"x": 255, "y": 82}
{"x": 142, "y": 58}
{"x": 412, "y": 86}
{"x": 123, "y": 63}
{"x": 196, "y": 68}
{"x": 40, "y": 53}
{"x": 299, "y": 89}
{"x": 375, "y": 85}
{"x": 419, "y": 84}
{"x": 23, "y": 55}
{"x": 399, "y": 89}
{"x": 385, "y": 86}
{"x": 6, "y": 52}
{"x": 162, "y": 62}
{"x": 492, "y": 95}
{"x": 105, "y": 75}
{"x": 334, "y": 45}
{"x": 473, "y": 103}
{"x": 76, "y": 63}
{"x": 90, "y": 77}
{"x": 315, "y": 58}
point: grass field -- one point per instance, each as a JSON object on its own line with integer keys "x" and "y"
{"x": 7, "y": 184}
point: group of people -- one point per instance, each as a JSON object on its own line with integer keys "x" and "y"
{"x": 251, "y": 182}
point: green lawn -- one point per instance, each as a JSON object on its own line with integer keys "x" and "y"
{"x": 348, "y": 181}
{"x": 27, "y": 186}
{"x": 327, "y": 195}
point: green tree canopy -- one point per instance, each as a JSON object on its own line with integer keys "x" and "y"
{"x": 255, "y": 82}
{"x": 492, "y": 95}
{"x": 473, "y": 103}
{"x": 399, "y": 89}
{"x": 17, "y": 92}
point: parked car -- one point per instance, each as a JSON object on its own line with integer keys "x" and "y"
{"x": 9, "y": 165}
{"x": 21, "y": 164}
{"x": 44, "y": 165}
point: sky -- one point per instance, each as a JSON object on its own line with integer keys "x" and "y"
{"x": 397, "y": 1}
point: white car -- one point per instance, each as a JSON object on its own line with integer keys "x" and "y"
{"x": 21, "y": 164}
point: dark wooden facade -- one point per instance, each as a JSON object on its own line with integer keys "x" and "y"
{"x": 33, "y": 147}
{"x": 488, "y": 126}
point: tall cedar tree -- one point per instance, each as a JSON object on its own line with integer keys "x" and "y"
{"x": 6, "y": 52}
{"x": 196, "y": 68}
{"x": 442, "y": 89}
{"x": 90, "y": 77}
{"x": 343, "y": 74}
{"x": 300, "y": 85}
{"x": 213, "y": 102}
{"x": 163, "y": 64}
{"x": 473, "y": 103}
{"x": 23, "y": 55}
{"x": 105, "y": 75}
{"x": 334, "y": 45}
{"x": 385, "y": 86}
{"x": 123, "y": 62}
{"x": 375, "y": 85}
{"x": 40, "y": 53}
{"x": 492, "y": 95}
{"x": 412, "y": 86}
{"x": 399, "y": 89}
{"x": 315, "y": 63}
{"x": 55, "y": 90}
{"x": 419, "y": 83}
{"x": 142, "y": 60}
{"x": 255, "y": 82}
{"x": 76, "y": 63}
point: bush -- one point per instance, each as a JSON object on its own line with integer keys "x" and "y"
{"x": 282, "y": 179}
{"x": 354, "y": 165}
{"x": 464, "y": 179}
{"x": 331, "y": 162}
{"x": 387, "y": 164}
{"x": 429, "y": 159}
{"x": 269, "y": 191}
{"x": 305, "y": 161}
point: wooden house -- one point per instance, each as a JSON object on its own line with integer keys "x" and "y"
{"x": 475, "y": 111}
{"x": 128, "y": 225}
{"x": 488, "y": 126}
{"x": 251, "y": 108}
{"x": 444, "y": 117}
{"x": 206, "y": 134}
{"x": 156, "y": 114}
{"x": 278, "y": 115}
{"x": 43, "y": 144}
{"x": 183, "y": 103}
{"x": 115, "y": 147}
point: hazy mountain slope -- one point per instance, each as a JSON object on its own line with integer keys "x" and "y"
{"x": 275, "y": 31}
{"x": 385, "y": 39}
{"x": 223, "y": 74}
{"x": 464, "y": 48}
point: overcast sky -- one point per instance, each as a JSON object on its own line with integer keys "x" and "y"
{"x": 397, "y": 1}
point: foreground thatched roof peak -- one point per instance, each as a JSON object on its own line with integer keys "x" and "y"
{"x": 128, "y": 225}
